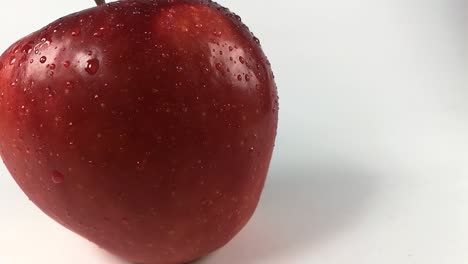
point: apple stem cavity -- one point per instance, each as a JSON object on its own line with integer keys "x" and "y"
{"x": 100, "y": 2}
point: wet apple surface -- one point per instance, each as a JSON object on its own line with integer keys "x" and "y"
{"x": 145, "y": 126}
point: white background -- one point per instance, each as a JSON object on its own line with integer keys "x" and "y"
{"x": 371, "y": 158}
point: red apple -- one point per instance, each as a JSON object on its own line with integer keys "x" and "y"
{"x": 145, "y": 126}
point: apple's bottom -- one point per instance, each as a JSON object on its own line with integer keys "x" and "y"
{"x": 196, "y": 261}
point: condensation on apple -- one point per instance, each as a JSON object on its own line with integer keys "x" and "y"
{"x": 144, "y": 126}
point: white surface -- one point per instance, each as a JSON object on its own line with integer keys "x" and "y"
{"x": 371, "y": 158}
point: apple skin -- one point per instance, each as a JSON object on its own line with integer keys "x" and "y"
{"x": 146, "y": 127}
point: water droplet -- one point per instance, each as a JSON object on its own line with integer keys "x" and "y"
{"x": 231, "y": 48}
{"x": 256, "y": 40}
{"x": 247, "y": 77}
{"x": 12, "y": 60}
{"x": 43, "y": 59}
{"x": 66, "y": 64}
{"x": 31, "y": 61}
{"x": 251, "y": 149}
{"x": 27, "y": 48}
{"x": 52, "y": 66}
{"x": 92, "y": 67}
{"x": 179, "y": 69}
{"x": 97, "y": 34}
{"x": 57, "y": 177}
{"x": 76, "y": 32}
{"x": 239, "y": 77}
{"x": 217, "y": 33}
{"x": 219, "y": 66}
{"x": 241, "y": 59}
{"x": 125, "y": 221}
{"x": 238, "y": 17}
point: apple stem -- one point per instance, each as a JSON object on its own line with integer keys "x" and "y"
{"x": 100, "y": 2}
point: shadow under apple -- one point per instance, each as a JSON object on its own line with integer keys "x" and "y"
{"x": 302, "y": 205}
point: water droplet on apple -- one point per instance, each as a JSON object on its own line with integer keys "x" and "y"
{"x": 219, "y": 66}
{"x": 57, "y": 177}
{"x": 247, "y": 77}
{"x": 125, "y": 221}
{"x": 43, "y": 59}
{"x": 179, "y": 69}
{"x": 256, "y": 40}
{"x": 27, "y": 48}
{"x": 241, "y": 59}
{"x": 92, "y": 67}
{"x": 12, "y": 60}
{"x": 66, "y": 64}
{"x": 239, "y": 77}
{"x": 76, "y": 32}
{"x": 52, "y": 66}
